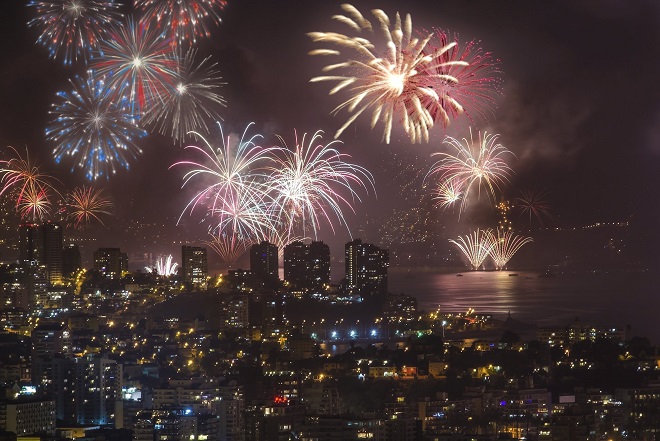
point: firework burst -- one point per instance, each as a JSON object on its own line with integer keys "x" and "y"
{"x": 477, "y": 163}
{"x": 94, "y": 126}
{"x": 140, "y": 63}
{"x": 475, "y": 246}
{"x": 34, "y": 204}
{"x": 534, "y": 204}
{"x": 72, "y": 29}
{"x": 307, "y": 183}
{"x": 448, "y": 193}
{"x": 229, "y": 246}
{"x": 20, "y": 176}
{"x": 182, "y": 20}
{"x": 466, "y": 79}
{"x": 188, "y": 104}
{"x": 164, "y": 267}
{"x": 504, "y": 245}
{"x": 395, "y": 82}
{"x": 85, "y": 205}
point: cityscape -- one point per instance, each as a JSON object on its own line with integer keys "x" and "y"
{"x": 227, "y": 220}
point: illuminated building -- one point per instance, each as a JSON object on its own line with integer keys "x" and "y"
{"x": 51, "y": 256}
{"x": 194, "y": 265}
{"x": 28, "y": 417}
{"x": 307, "y": 265}
{"x": 399, "y": 308}
{"x": 110, "y": 262}
{"x": 264, "y": 260}
{"x": 366, "y": 268}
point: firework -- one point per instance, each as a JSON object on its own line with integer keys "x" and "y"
{"x": 533, "y": 203}
{"x": 140, "y": 63}
{"x": 190, "y": 102}
{"x": 475, "y": 246}
{"x": 479, "y": 164}
{"x": 182, "y": 20}
{"x": 466, "y": 80}
{"x": 34, "y": 204}
{"x": 394, "y": 82}
{"x": 229, "y": 246}
{"x": 21, "y": 175}
{"x": 307, "y": 182}
{"x": 448, "y": 192}
{"x": 73, "y": 28}
{"x": 504, "y": 245}
{"x": 94, "y": 126}
{"x": 85, "y": 204}
{"x": 243, "y": 212}
{"x": 164, "y": 267}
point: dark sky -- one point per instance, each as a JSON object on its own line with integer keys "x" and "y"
{"x": 580, "y": 105}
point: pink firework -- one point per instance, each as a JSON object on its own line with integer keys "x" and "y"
{"x": 22, "y": 176}
{"x": 467, "y": 80}
{"x": 85, "y": 204}
{"x": 534, "y": 204}
{"x": 34, "y": 203}
{"x": 182, "y": 20}
{"x": 139, "y": 61}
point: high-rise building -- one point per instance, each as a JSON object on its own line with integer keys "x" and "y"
{"x": 307, "y": 265}
{"x": 29, "y": 417}
{"x": 51, "y": 255}
{"x": 71, "y": 260}
{"x": 29, "y": 245}
{"x": 366, "y": 268}
{"x": 87, "y": 389}
{"x": 264, "y": 260}
{"x": 194, "y": 265}
{"x": 110, "y": 262}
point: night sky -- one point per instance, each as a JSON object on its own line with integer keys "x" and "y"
{"x": 580, "y": 108}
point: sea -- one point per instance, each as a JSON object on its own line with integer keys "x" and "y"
{"x": 624, "y": 300}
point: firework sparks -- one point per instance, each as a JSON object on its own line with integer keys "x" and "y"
{"x": 140, "y": 63}
{"x": 164, "y": 267}
{"x": 182, "y": 20}
{"x": 504, "y": 245}
{"x": 475, "y": 246}
{"x": 448, "y": 192}
{"x": 533, "y": 203}
{"x": 466, "y": 80}
{"x": 189, "y": 103}
{"x": 396, "y": 85}
{"x": 94, "y": 126}
{"x": 34, "y": 204}
{"x": 22, "y": 175}
{"x": 85, "y": 204}
{"x": 307, "y": 182}
{"x": 477, "y": 163}
{"x": 229, "y": 246}
{"x": 73, "y": 28}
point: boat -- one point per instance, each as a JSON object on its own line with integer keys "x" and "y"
{"x": 513, "y": 275}
{"x": 459, "y": 275}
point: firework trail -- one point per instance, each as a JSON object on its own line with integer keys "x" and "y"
{"x": 73, "y": 28}
{"x": 477, "y": 163}
{"x": 85, "y": 204}
{"x": 181, "y": 20}
{"x": 139, "y": 62}
{"x": 394, "y": 82}
{"x": 504, "y": 245}
{"x": 533, "y": 203}
{"x": 473, "y": 84}
{"x": 164, "y": 267}
{"x": 94, "y": 126}
{"x": 307, "y": 183}
{"x": 31, "y": 186}
{"x": 476, "y": 246}
{"x": 229, "y": 246}
{"x": 189, "y": 103}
